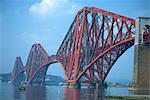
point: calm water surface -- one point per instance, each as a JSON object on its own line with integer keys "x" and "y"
{"x": 9, "y": 92}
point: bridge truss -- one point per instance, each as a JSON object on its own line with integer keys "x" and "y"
{"x": 93, "y": 43}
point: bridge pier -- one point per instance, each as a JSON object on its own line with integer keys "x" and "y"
{"x": 74, "y": 85}
{"x": 96, "y": 85}
{"x": 92, "y": 85}
{"x": 141, "y": 77}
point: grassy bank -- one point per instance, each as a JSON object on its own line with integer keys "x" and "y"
{"x": 133, "y": 97}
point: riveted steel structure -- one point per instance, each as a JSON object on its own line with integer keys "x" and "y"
{"x": 37, "y": 64}
{"x": 93, "y": 43}
{"x": 18, "y": 72}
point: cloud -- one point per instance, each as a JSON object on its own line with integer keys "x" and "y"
{"x": 46, "y": 7}
{"x": 43, "y": 7}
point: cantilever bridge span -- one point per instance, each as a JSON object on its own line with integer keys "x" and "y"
{"x": 93, "y": 43}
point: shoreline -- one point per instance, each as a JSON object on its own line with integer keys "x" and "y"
{"x": 128, "y": 97}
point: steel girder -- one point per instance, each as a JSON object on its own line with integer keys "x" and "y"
{"x": 37, "y": 64}
{"x": 17, "y": 74}
{"x": 92, "y": 43}
{"x": 37, "y": 59}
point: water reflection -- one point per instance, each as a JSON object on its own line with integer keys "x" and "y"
{"x": 84, "y": 94}
{"x": 35, "y": 93}
{"x": 9, "y": 92}
{"x": 16, "y": 93}
{"x": 58, "y": 93}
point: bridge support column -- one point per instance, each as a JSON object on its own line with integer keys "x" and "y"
{"x": 92, "y": 85}
{"x": 96, "y": 85}
{"x": 74, "y": 85}
{"x": 141, "y": 59}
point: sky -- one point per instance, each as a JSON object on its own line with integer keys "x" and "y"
{"x": 25, "y": 22}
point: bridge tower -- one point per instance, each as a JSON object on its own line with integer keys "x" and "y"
{"x": 142, "y": 57}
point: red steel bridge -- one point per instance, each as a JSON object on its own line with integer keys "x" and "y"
{"x": 93, "y": 43}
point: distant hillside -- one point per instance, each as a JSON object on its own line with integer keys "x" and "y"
{"x": 122, "y": 81}
{"x": 54, "y": 80}
{"x": 5, "y": 77}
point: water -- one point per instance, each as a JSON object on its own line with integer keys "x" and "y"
{"x": 9, "y": 92}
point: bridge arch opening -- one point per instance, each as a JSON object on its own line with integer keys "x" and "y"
{"x": 55, "y": 74}
{"x": 49, "y": 74}
{"x": 122, "y": 70}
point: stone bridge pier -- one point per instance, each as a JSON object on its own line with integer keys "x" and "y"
{"x": 141, "y": 78}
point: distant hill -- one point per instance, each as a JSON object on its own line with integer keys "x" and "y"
{"x": 122, "y": 81}
{"x": 5, "y": 77}
{"x": 54, "y": 80}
